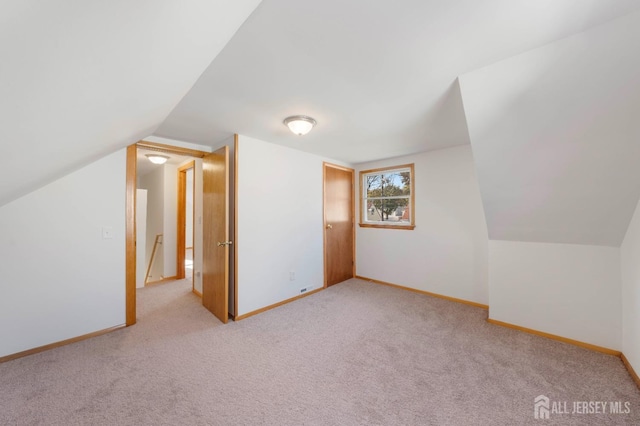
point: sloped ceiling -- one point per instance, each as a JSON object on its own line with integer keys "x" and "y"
{"x": 556, "y": 139}
{"x": 82, "y": 78}
{"x": 552, "y": 129}
{"x": 378, "y": 76}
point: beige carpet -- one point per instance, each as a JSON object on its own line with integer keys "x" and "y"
{"x": 355, "y": 354}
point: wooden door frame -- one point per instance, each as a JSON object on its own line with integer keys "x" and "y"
{"x": 235, "y": 224}
{"x": 324, "y": 215}
{"x": 130, "y": 216}
{"x": 130, "y": 235}
{"x": 182, "y": 219}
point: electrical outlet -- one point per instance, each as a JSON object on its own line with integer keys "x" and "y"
{"x": 107, "y": 233}
{"x": 306, "y": 289}
{"x": 292, "y": 275}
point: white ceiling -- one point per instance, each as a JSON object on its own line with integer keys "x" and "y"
{"x": 378, "y": 76}
{"x": 556, "y": 140}
{"x": 83, "y": 78}
{"x": 553, "y": 133}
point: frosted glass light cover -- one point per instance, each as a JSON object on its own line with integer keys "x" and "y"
{"x": 300, "y": 124}
{"x": 157, "y": 159}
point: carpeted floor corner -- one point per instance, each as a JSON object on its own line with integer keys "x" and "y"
{"x": 355, "y": 354}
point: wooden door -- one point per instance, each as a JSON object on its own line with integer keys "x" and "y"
{"x": 215, "y": 228}
{"x": 339, "y": 231}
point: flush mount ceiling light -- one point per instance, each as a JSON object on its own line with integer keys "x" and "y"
{"x": 300, "y": 124}
{"x": 157, "y": 158}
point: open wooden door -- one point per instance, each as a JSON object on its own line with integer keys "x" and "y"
{"x": 215, "y": 227}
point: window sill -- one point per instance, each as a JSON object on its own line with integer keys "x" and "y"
{"x": 375, "y": 225}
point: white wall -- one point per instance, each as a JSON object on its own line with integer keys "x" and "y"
{"x": 555, "y": 136}
{"x": 154, "y": 184}
{"x": 279, "y": 223}
{"x": 170, "y": 226}
{"x": 60, "y": 278}
{"x": 189, "y": 211}
{"x": 572, "y": 291}
{"x": 141, "y": 236}
{"x": 447, "y": 251}
{"x": 630, "y": 254}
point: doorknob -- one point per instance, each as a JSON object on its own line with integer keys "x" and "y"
{"x": 329, "y": 226}
{"x": 226, "y": 243}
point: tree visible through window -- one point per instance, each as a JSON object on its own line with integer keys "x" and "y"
{"x": 387, "y": 197}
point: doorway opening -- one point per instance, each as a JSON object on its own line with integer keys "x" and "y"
{"x": 165, "y": 208}
{"x": 207, "y": 259}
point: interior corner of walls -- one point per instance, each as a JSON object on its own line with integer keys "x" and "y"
{"x": 447, "y": 251}
{"x": 457, "y": 92}
{"x": 228, "y": 141}
{"x": 295, "y": 227}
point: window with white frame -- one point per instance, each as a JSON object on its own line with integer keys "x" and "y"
{"x": 386, "y": 197}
